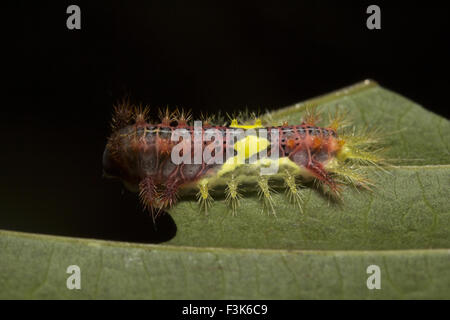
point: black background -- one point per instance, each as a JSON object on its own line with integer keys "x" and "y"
{"x": 60, "y": 85}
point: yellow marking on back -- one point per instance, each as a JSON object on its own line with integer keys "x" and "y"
{"x": 250, "y": 145}
{"x": 233, "y": 163}
{"x": 245, "y": 148}
{"x": 258, "y": 124}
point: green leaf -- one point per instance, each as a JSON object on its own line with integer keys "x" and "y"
{"x": 403, "y": 227}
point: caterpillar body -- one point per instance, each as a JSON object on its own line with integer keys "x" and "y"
{"x": 146, "y": 157}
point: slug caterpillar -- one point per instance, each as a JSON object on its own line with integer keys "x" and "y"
{"x": 160, "y": 159}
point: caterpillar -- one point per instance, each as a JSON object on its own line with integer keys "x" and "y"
{"x": 158, "y": 159}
